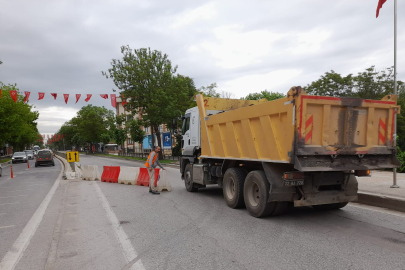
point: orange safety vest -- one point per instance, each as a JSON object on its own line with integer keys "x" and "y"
{"x": 154, "y": 158}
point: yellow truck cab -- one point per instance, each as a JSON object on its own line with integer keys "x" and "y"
{"x": 302, "y": 150}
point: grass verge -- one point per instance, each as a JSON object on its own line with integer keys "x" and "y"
{"x": 5, "y": 160}
{"x": 164, "y": 161}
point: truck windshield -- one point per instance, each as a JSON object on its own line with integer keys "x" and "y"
{"x": 186, "y": 124}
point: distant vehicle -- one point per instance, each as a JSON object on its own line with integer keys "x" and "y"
{"x": 36, "y": 148}
{"x": 30, "y": 153}
{"x": 19, "y": 157}
{"x": 44, "y": 157}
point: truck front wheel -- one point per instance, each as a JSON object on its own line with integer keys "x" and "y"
{"x": 188, "y": 179}
{"x": 234, "y": 180}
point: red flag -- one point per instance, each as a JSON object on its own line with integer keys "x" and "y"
{"x": 66, "y": 97}
{"x": 54, "y": 95}
{"x": 88, "y": 97}
{"x": 105, "y": 96}
{"x": 380, "y": 4}
{"x": 113, "y": 100}
{"x": 27, "y": 96}
{"x": 77, "y": 97}
{"x": 58, "y": 136}
{"x": 62, "y": 136}
{"x": 13, "y": 95}
{"x": 41, "y": 95}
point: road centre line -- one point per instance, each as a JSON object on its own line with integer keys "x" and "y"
{"x": 4, "y": 227}
{"x": 127, "y": 248}
{"x": 15, "y": 253}
{"x": 9, "y": 203}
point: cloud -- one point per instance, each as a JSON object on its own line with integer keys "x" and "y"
{"x": 62, "y": 46}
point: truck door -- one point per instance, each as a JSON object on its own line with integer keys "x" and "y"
{"x": 191, "y": 132}
{"x": 186, "y": 141}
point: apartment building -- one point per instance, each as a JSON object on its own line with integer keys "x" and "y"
{"x": 166, "y": 137}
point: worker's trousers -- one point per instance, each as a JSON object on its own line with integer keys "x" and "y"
{"x": 152, "y": 180}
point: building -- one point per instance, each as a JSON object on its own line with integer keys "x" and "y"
{"x": 130, "y": 146}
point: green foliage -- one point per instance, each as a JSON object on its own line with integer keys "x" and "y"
{"x": 209, "y": 91}
{"x": 105, "y": 138}
{"x": 18, "y": 125}
{"x": 176, "y": 151}
{"x": 135, "y": 130}
{"x": 401, "y": 158}
{"x": 264, "y": 94}
{"x": 120, "y": 135}
{"x": 148, "y": 82}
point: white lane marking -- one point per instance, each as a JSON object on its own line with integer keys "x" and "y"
{"x": 378, "y": 209}
{"x": 4, "y": 227}
{"x": 13, "y": 196}
{"x": 15, "y": 253}
{"x": 9, "y": 203}
{"x": 26, "y": 185}
{"x": 127, "y": 248}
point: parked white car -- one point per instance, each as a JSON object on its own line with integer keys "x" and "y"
{"x": 30, "y": 154}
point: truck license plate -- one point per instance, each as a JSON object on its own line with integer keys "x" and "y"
{"x": 289, "y": 183}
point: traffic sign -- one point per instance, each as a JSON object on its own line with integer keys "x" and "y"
{"x": 72, "y": 156}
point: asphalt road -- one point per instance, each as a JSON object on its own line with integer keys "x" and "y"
{"x": 95, "y": 225}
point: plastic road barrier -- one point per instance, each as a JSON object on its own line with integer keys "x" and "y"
{"x": 90, "y": 172}
{"x": 163, "y": 183}
{"x": 128, "y": 175}
{"x": 143, "y": 178}
{"x": 110, "y": 174}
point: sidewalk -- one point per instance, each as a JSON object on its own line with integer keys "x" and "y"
{"x": 376, "y": 190}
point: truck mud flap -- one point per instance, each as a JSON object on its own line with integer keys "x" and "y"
{"x": 345, "y": 162}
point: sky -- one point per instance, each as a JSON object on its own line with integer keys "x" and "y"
{"x": 61, "y": 46}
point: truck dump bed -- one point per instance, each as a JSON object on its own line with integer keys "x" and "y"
{"x": 315, "y": 133}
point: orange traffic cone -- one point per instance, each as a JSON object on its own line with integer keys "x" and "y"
{"x": 12, "y": 176}
{"x": 28, "y": 164}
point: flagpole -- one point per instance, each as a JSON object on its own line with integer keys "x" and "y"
{"x": 394, "y": 184}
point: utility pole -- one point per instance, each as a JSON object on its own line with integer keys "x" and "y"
{"x": 394, "y": 184}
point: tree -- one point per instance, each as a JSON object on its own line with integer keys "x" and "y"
{"x": 147, "y": 81}
{"x": 18, "y": 125}
{"x": 105, "y": 139}
{"x": 264, "y": 94}
{"x": 135, "y": 130}
{"x": 211, "y": 91}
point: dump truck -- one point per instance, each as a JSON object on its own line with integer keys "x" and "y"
{"x": 301, "y": 150}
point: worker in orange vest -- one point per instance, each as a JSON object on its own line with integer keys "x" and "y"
{"x": 151, "y": 164}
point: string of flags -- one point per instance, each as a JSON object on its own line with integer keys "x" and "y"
{"x": 52, "y": 138}
{"x": 41, "y": 95}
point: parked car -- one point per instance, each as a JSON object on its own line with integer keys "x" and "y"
{"x": 44, "y": 157}
{"x": 30, "y": 154}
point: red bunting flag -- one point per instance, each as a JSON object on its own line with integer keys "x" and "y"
{"x": 88, "y": 97}
{"x": 27, "y": 96}
{"x": 77, "y": 97}
{"x": 0, "y": 93}
{"x": 13, "y": 95}
{"x": 113, "y": 100}
{"x": 62, "y": 136}
{"x": 380, "y": 4}
{"x": 41, "y": 95}
{"x": 66, "y": 97}
{"x": 105, "y": 96}
{"x": 54, "y": 95}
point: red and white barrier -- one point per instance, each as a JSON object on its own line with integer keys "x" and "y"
{"x": 128, "y": 175}
{"x": 134, "y": 176}
{"x": 90, "y": 172}
{"x": 110, "y": 174}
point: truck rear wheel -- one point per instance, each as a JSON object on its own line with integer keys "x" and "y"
{"x": 188, "y": 179}
{"x": 332, "y": 206}
{"x": 256, "y": 195}
{"x": 234, "y": 180}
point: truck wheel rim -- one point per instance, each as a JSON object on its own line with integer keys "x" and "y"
{"x": 230, "y": 188}
{"x": 254, "y": 195}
